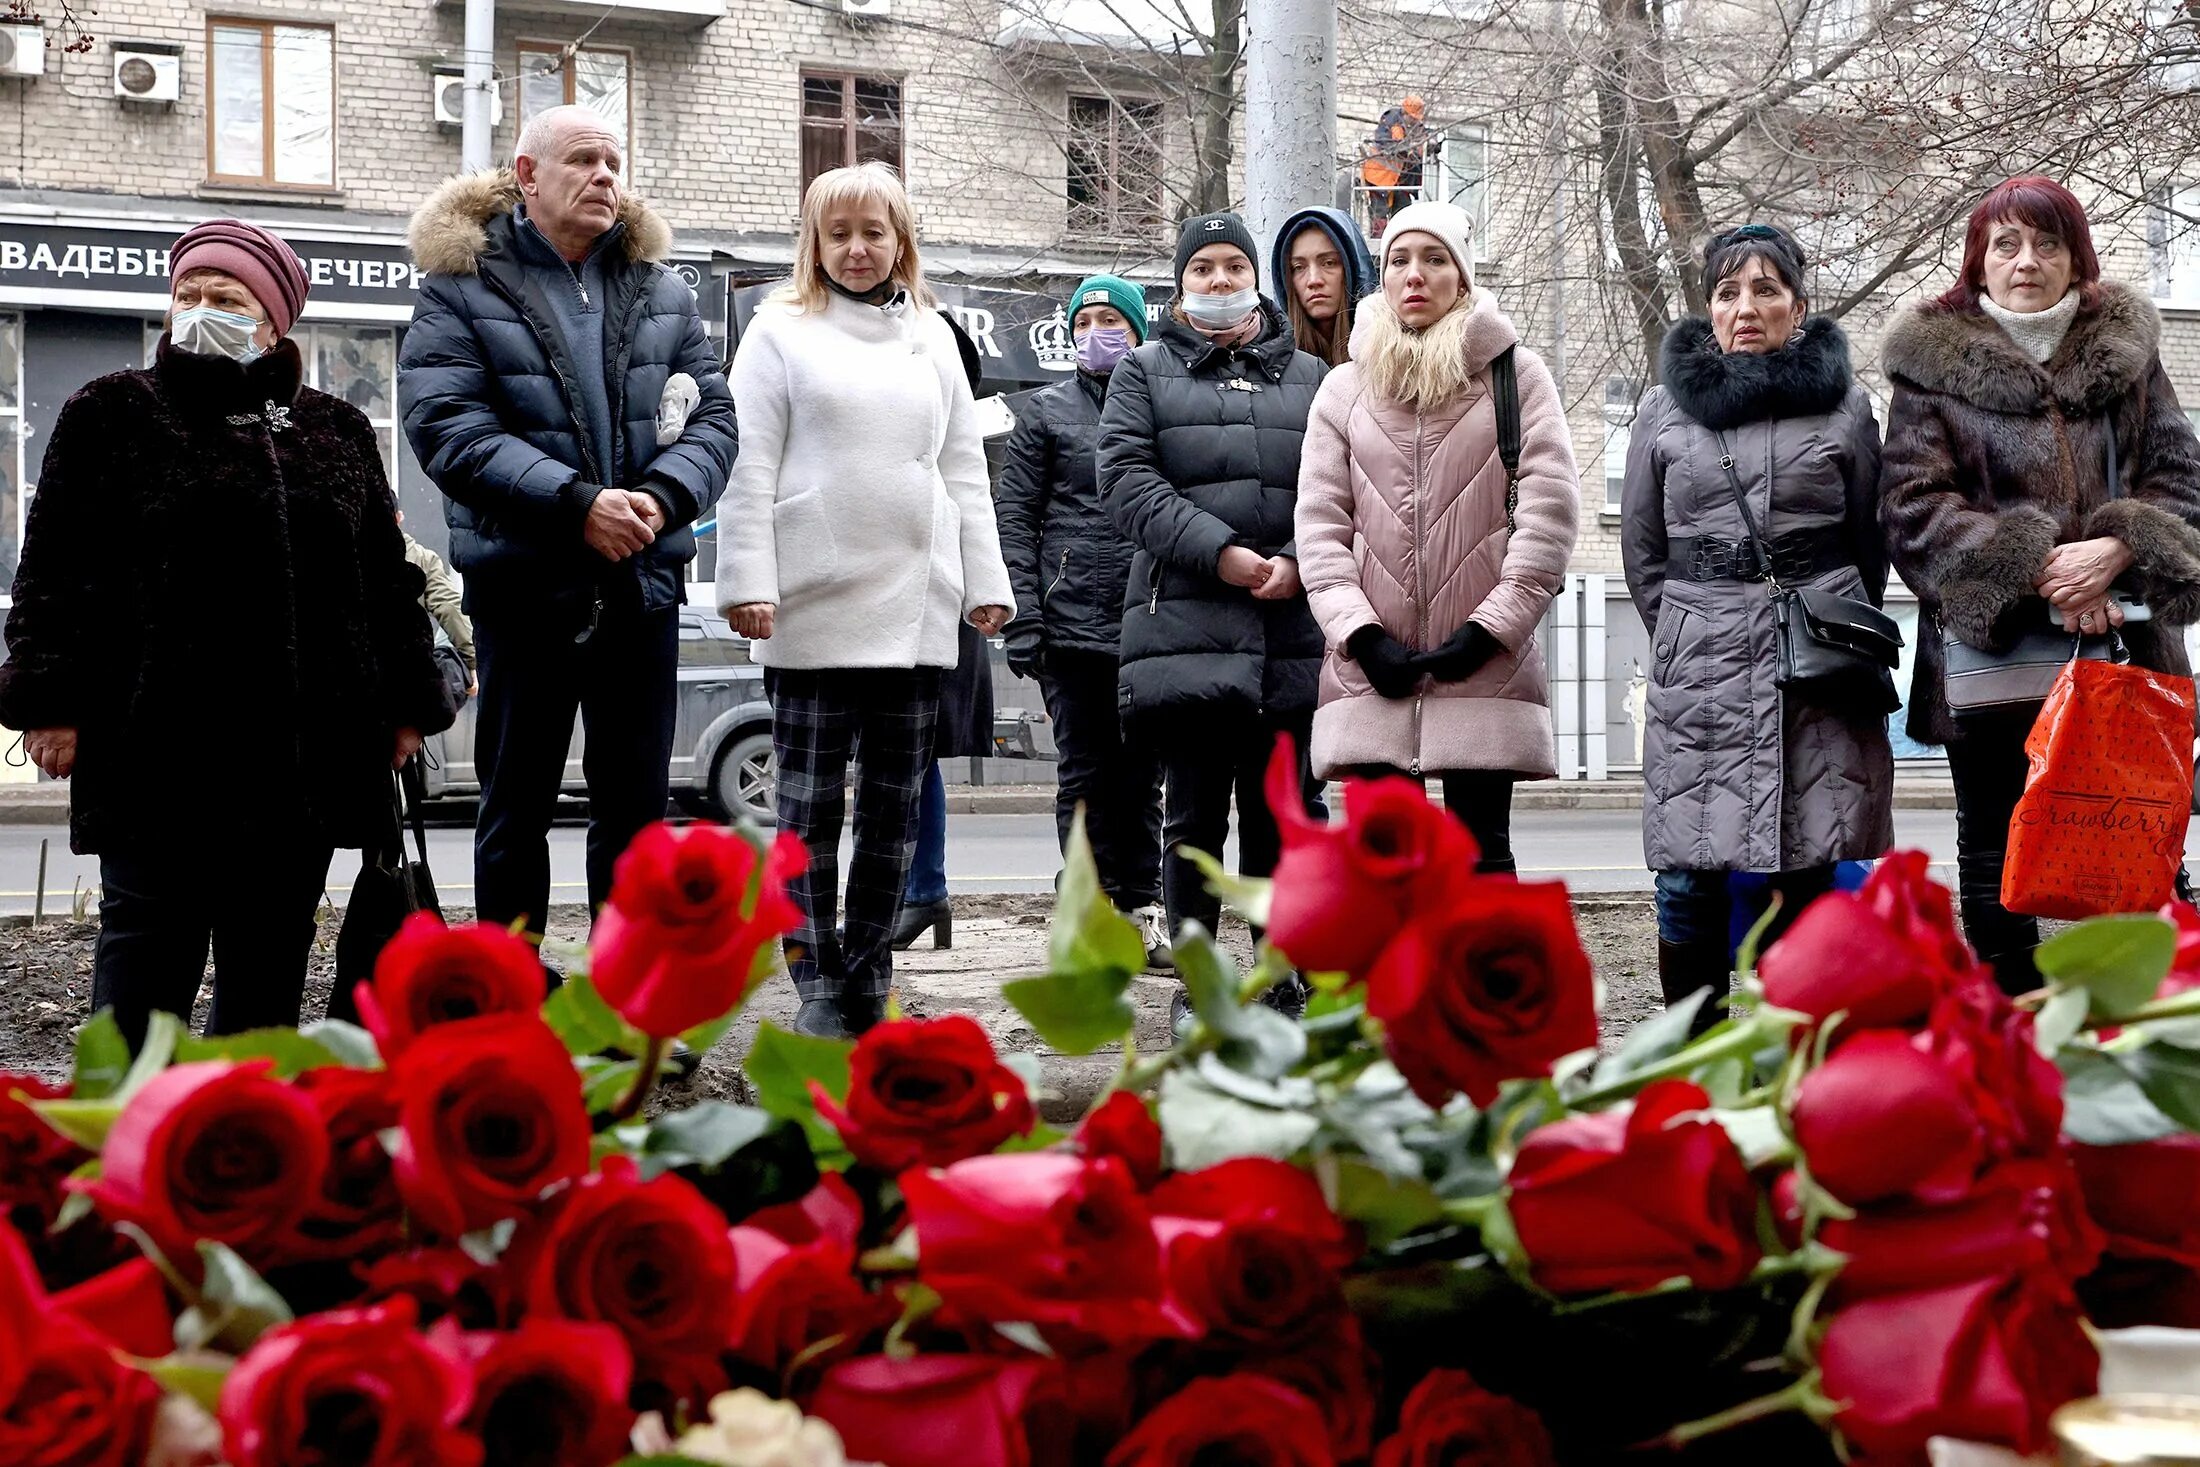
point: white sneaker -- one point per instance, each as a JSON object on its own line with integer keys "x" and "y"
{"x": 1153, "y": 927}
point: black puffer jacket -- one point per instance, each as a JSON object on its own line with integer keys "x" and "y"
{"x": 214, "y": 572}
{"x": 1199, "y": 451}
{"x": 1067, "y": 560}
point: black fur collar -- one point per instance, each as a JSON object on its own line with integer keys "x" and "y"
{"x": 1723, "y": 390}
{"x": 201, "y": 380}
{"x": 2109, "y": 350}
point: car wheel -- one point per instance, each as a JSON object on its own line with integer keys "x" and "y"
{"x": 746, "y": 784}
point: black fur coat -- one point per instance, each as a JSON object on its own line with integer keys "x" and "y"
{"x": 1992, "y": 460}
{"x": 213, "y": 592}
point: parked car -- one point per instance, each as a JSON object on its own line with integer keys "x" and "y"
{"x": 721, "y": 739}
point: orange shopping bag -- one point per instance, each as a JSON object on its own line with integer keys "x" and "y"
{"x": 2100, "y": 827}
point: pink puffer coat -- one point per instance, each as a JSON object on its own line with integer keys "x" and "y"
{"x": 1401, "y": 520}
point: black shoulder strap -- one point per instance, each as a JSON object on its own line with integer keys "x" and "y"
{"x": 1505, "y": 398}
{"x": 1741, "y": 502}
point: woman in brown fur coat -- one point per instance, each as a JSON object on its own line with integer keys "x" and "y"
{"x": 1998, "y": 511}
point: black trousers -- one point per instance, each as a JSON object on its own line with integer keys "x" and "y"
{"x": 1988, "y": 768}
{"x": 159, "y": 908}
{"x": 1115, "y": 778}
{"x": 1482, "y": 801}
{"x": 1207, "y": 763}
{"x": 536, "y": 673}
{"x": 884, "y": 718}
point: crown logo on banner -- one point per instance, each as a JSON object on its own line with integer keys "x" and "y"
{"x": 1052, "y": 343}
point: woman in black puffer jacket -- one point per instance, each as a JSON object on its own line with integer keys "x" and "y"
{"x": 1199, "y": 463}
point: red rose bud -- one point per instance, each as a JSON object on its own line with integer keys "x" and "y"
{"x": 34, "y": 1157}
{"x": 690, "y": 909}
{"x": 1625, "y": 1201}
{"x": 213, "y": 1150}
{"x": 648, "y": 1258}
{"x": 550, "y": 1393}
{"x": 1880, "y": 1119}
{"x": 1238, "y": 1418}
{"x": 1449, "y": 1421}
{"x": 828, "y": 1212}
{"x": 430, "y": 974}
{"x": 2016, "y": 1091}
{"x": 1985, "y": 1361}
{"x": 1254, "y": 1191}
{"x": 940, "y": 1410}
{"x": 1040, "y": 1238}
{"x": 357, "y": 1212}
{"x": 351, "y": 1385}
{"x": 1339, "y": 891}
{"x": 787, "y": 1297}
{"x": 1122, "y": 1127}
{"x": 1880, "y": 955}
{"x": 1493, "y": 987}
{"x": 2020, "y": 1216}
{"x": 489, "y": 1115}
{"x": 927, "y": 1092}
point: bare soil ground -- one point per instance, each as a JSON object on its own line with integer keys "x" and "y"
{"x": 46, "y": 981}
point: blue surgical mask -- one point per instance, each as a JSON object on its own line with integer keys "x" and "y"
{"x": 1099, "y": 348}
{"x": 1219, "y": 312}
{"x": 205, "y": 331}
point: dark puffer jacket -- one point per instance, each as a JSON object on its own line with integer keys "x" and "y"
{"x": 1068, "y": 562}
{"x": 213, "y": 570}
{"x": 1992, "y": 460}
{"x": 486, "y": 387}
{"x": 1199, "y": 451}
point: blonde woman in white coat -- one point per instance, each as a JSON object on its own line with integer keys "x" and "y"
{"x": 859, "y": 532}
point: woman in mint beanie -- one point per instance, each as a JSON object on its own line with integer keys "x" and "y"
{"x": 1070, "y": 566}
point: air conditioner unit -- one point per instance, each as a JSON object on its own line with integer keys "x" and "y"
{"x": 868, "y": 9}
{"x": 22, "y": 50}
{"x": 144, "y": 75}
{"x": 450, "y": 100}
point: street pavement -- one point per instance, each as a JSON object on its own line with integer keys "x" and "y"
{"x": 1593, "y": 850}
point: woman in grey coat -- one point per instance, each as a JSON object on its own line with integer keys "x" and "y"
{"x": 1740, "y": 776}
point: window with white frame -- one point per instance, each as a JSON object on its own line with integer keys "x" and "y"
{"x": 1619, "y": 420}
{"x": 271, "y": 104}
{"x": 355, "y": 363}
{"x": 1458, "y": 173}
{"x": 2174, "y": 231}
{"x": 596, "y": 77}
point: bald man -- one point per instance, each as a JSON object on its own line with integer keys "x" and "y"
{"x": 559, "y": 389}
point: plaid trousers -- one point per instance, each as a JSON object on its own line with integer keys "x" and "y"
{"x": 883, "y": 718}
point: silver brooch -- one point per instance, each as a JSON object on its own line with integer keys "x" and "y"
{"x": 278, "y": 416}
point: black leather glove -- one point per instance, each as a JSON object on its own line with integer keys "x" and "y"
{"x": 1461, "y": 655}
{"x": 1026, "y": 646}
{"x": 1387, "y": 661}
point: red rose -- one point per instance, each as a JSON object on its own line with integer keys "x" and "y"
{"x": 358, "y": 1211}
{"x": 1882, "y": 1119}
{"x": 787, "y": 1297}
{"x": 352, "y": 1385}
{"x": 1333, "y": 1371}
{"x": 1493, "y": 986}
{"x": 489, "y": 1114}
{"x": 127, "y": 1306}
{"x": 1341, "y": 890}
{"x": 1238, "y": 1419}
{"x": 1255, "y": 1191}
{"x": 2020, "y": 1215}
{"x": 649, "y": 1258}
{"x": 441, "y": 1282}
{"x": 1449, "y": 1421}
{"x": 77, "y": 1405}
{"x": 690, "y": 908}
{"x": 830, "y": 1210}
{"x": 926, "y": 1092}
{"x": 1881, "y": 955}
{"x": 2146, "y": 1198}
{"x": 1254, "y": 1287}
{"x": 430, "y": 974}
{"x": 213, "y": 1150}
{"x": 1122, "y": 1127}
{"x": 1624, "y": 1200}
{"x": 550, "y": 1394}
{"x": 1986, "y": 1361}
{"x": 34, "y": 1157}
{"x": 1042, "y": 1238}
{"x": 2016, "y": 1091}
{"x": 938, "y": 1410}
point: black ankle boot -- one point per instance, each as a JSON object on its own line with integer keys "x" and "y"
{"x": 1685, "y": 968}
{"x": 935, "y": 917}
{"x": 820, "y": 1019}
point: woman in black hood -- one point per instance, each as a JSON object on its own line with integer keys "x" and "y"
{"x": 1320, "y": 269}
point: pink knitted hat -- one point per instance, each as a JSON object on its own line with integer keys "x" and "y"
{"x": 269, "y": 268}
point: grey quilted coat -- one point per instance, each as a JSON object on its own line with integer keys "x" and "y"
{"x": 1738, "y": 776}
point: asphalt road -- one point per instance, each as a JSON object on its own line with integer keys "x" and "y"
{"x": 1594, "y": 850}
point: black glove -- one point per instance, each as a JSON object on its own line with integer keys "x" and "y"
{"x": 1026, "y": 646}
{"x": 1461, "y": 654}
{"x": 1387, "y": 661}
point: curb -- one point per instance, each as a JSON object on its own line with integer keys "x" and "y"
{"x": 1922, "y": 794}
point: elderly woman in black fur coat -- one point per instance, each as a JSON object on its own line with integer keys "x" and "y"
{"x": 217, "y": 637}
{"x": 1998, "y": 509}
{"x": 1743, "y": 775}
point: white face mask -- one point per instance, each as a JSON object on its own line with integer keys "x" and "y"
{"x": 1216, "y": 311}
{"x": 206, "y": 332}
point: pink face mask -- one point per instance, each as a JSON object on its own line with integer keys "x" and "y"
{"x": 1101, "y": 347}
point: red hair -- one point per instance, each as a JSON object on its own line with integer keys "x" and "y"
{"x": 2048, "y": 207}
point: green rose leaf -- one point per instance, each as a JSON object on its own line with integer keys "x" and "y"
{"x": 2120, "y": 961}
{"x": 2170, "y": 1076}
{"x": 1389, "y": 1207}
{"x": 1075, "y": 1013}
{"x": 781, "y": 1066}
{"x": 706, "y": 1135}
{"x": 353, "y": 1046}
{"x": 1249, "y": 1037}
{"x": 86, "y": 1122}
{"x": 585, "y": 1024}
{"x": 1089, "y": 936}
{"x": 2103, "y": 1105}
{"x": 1248, "y": 896}
{"x": 1659, "y": 1037}
{"x": 102, "y": 1059}
{"x": 1205, "y": 1126}
{"x": 292, "y": 1052}
{"x": 197, "y": 1377}
{"x": 235, "y": 1305}
{"x": 2060, "y": 1019}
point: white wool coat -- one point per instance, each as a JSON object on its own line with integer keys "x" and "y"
{"x": 860, "y": 505}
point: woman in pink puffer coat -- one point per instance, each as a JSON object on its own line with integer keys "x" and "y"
{"x": 1427, "y": 590}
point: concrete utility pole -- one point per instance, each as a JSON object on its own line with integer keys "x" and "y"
{"x": 1290, "y": 112}
{"x": 474, "y": 147}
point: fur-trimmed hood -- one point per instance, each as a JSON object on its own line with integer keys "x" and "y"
{"x": 1722, "y": 389}
{"x": 2109, "y": 352}
{"x": 449, "y": 233}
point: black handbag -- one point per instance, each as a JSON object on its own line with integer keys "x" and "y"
{"x": 1828, "y": 644}
{"x": 392, "y": 885}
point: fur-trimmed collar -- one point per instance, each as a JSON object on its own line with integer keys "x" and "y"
{"x": 449, "y": 233}
{"x": 1723, "y": 389}
{"x": 2109, "y": 350}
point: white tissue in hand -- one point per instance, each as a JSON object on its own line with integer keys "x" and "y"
{"x": 680, "y": 397}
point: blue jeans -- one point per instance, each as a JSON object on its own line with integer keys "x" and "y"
{"x": 1697, "y": 906}
{"x": 928, "y": 868}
